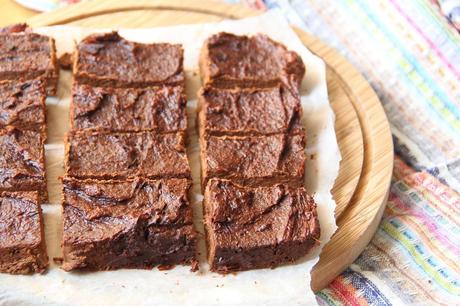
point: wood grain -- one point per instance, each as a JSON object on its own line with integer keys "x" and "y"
{"x": 362, "y": 215}
{"x": 350, "y": 140}
{"x": 362, "y": 129}
{"x": 11, "y": 12}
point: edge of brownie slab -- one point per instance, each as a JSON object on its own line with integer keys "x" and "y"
{"x": 138, "y": 223}
{"x": 22, "y": 243}
{"x": 263, "y": 227}
{"x": 109, "y": 60}
{"x": 229, "y": 60}
{"x": 19, "y": 41}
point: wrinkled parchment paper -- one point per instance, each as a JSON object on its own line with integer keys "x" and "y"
{"x": 286, "y": 285}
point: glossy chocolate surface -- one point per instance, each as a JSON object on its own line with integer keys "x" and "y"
{"x": 229, "y": 60}
{"x": 125, "y": 155}
{"x": 249, "y": 228}
{"x": 161, "y": 109}
{"x": 137, "y": 223}
{"x": 109, "y": 60}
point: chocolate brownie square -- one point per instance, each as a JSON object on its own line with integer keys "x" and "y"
{"x": 108, "y": 60}
{"x": 251, "y": 228}
{"x": 254, "y": 160}
{"x": 102, "y": 155}
{"x": 22, "y": 242}
{"x": 229, "y": 60}
{"x": 27, "y": 55}
{"x": 137, "y": 223}
{"x": 22, "y": 104}
{"x": 22, "y": 161}
{"x": 250, "y": 111}
{"x": 161, "y": 109}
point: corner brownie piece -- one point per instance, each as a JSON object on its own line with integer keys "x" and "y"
{"x": 249, "y": 111}
{"x": 103, "y": 155}
{"x": 108, "y": 60}
{"x": 27, "y": 55}
{"x": 136, "y": 223}
{"x": 22, "y": 161}
{"x": 161, "y": 109}
{"x": 250, "y": 228}
{"x": 228, "y": 60}
{"x": 22, "y": 242}
{"x": 254, "y": 160}
{"x": 22, "y": 104}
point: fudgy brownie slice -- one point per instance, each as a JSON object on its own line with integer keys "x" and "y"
{"x": 136, "y": 223}
{"x": 27, "y": 55}
{"x": 161, "y": 109}
{"x": 104, "y": 155}
{"x": 229, "y": 60}
{"x": 109, "y": 60}
{"x": 254, "y": 160}
{"x": 22, "y": 104}
{"x": 249, "y": 228}
{"x": 22, "y": 161}
{"x": 22, "y": 242}
{"x": 249, "y": 111}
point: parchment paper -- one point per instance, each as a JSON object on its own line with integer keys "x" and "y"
{"x": 286, "y": 285}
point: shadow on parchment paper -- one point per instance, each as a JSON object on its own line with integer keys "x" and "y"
{"x": 57, "y": 117}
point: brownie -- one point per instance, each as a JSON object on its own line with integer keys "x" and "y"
{"x": 102, "y": 155}
{"x": 22, "y": 242}
{"x": 161, "y": 109}
{"x": 22, "y": 104}
{"x": 66, "y": 61}
{"x": 249, "y": 111}
{"x": 22, "y": 161}
{"x": 251, "y": 228}
{"x": 108, "y": 60}
{"x": 27, "y": 55}
{"x": 137, "y": 223}
{"x": 254, "y": 160}
{"x": 228, "y": 60}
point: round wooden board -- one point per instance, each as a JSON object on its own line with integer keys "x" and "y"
{"x": 362, "y": 128}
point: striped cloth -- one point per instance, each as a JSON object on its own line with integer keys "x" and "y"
{"x": 451, "y": 9}
{"x": 410, "y": 54}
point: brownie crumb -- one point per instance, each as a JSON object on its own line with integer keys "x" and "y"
{"x": 65, "y": 61}
{"x": 165, "y": 267}
{"x": 58, "y": 260}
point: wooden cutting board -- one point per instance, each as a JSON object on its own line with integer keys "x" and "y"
{"x": 362, "y": 128}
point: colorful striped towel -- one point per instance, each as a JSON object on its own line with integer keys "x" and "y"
{"x": 451, "y": 8}
{"x": 410, "y": 54}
